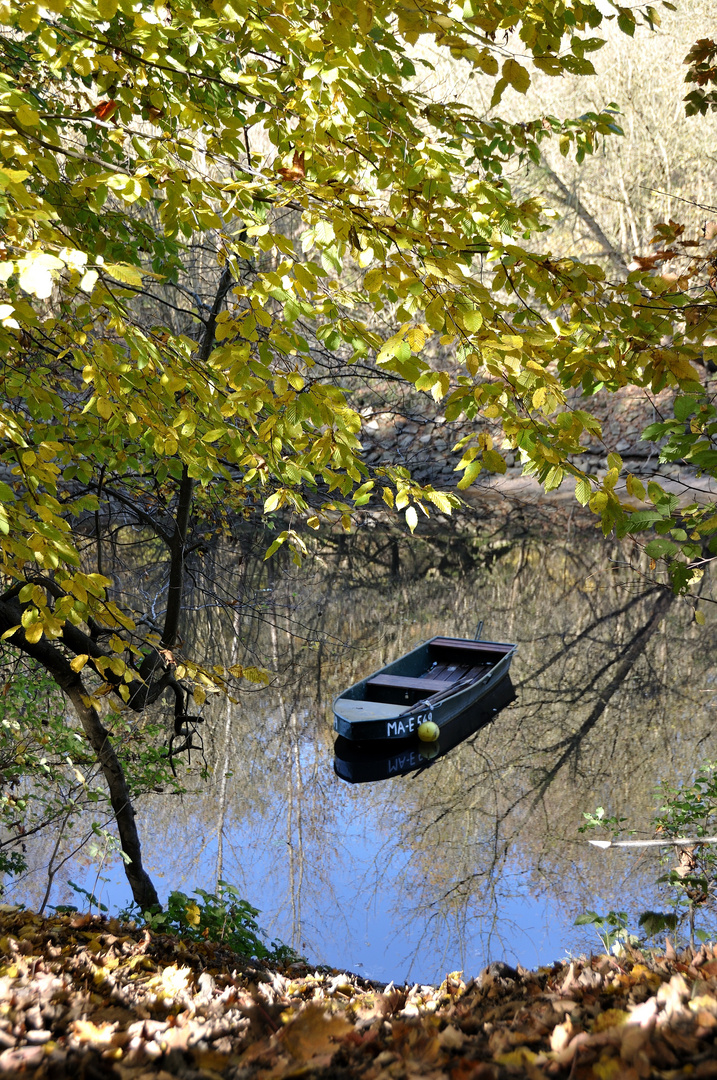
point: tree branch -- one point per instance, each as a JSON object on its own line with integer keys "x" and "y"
{"x": 571, "y": 199}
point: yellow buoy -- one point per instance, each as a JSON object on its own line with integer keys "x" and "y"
{"x": 428, "y": 731}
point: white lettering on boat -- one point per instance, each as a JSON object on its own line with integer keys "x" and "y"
{"x": 395, "y": 729}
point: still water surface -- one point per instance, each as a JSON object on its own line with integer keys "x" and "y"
{"x": 476, "y": 857}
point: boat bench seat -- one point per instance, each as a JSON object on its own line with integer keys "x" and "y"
{"x": 404, "y": 682}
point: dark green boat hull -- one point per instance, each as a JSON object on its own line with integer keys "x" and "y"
{"x": 368, "y": 711}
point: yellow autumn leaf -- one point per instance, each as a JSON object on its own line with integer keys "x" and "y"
{"x": 28, "y": 117}
{"x": 521, "y": 1056}
{"x": 85, "y": 1031}
{"x": 441, "y": 386}
{"x": 473, "y": 363}
{"x": 170, "y": 982}
{"x": 472, "y": 320}
{"x": 373, "y": 280}
{"x": 78, "y": 662}
{"x": 635, "y": 487}
{"x": 89, "y": 280}
{"x": 610, "y": 1018}
{"x": 124, "y": 272}
{"x": 416, "y": 338}
{"x": 192, "y": 913}
{"x": 440, "y": 500}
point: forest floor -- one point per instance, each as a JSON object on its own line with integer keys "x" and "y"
{"x": 85, "y": 996}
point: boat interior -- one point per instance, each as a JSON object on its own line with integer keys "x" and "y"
{"x": 440, "y": 666}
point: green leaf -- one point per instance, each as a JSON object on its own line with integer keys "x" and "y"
{"x": 515, "y": 74}
{"x": 661, "y": 548}
{"x": 626, "y": 21}
{"x": 472, "y": 320}
{"x": 685, "y": 406}
{"x": 470, "y": 474}
{"x": 589, "y": 918}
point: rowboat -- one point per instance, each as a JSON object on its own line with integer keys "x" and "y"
{"x": 429, "y": 685}
{"x": 361, "y": 763}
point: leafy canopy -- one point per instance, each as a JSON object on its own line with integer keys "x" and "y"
{"x": 210, "y": 209}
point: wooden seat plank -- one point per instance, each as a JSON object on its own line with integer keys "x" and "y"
{"x": 448, "y": 672}
{"x": 404, "y": 682}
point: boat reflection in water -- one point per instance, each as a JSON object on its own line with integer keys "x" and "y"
{"x": 361, "y": 763}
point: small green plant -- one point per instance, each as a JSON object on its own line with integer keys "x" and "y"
{"x": 48, "y": 778}
{"x": 689, "y": 812}
{"x": 611, "y": 929}
{"x": 601, "y": 820}
{"x": 222, "y": 916}
{"x": 94, "y": 902}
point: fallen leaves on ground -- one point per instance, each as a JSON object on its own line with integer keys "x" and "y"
{"x": 85, "y": 996}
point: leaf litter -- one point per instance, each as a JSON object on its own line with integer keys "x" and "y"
{"x": 85, "y": 996}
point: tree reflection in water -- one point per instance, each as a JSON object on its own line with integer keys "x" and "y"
{"x": 457, "y": 863}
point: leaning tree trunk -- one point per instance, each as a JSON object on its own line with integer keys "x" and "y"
{"x": 143, "y": 890}
{"x": 56, "y": 663}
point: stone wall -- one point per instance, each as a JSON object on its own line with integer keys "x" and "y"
{"x": 423, "y": 441}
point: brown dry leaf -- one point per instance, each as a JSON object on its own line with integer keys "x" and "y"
{"x": 313, "y": 1032}
{"x": 297, "y": 169}
{"x": 79, "y": 922}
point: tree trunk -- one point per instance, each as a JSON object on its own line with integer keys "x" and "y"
{"x": 143, "y": 890}
{"x": 49, "y": 656}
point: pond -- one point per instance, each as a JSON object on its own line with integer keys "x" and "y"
{"x": 477, "y": 857}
